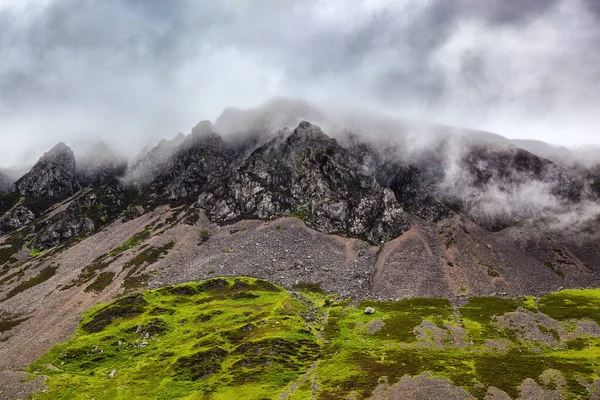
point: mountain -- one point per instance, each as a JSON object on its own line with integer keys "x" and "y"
{"x": 376, "y": 213}
{"x": 307, "y": 174}
{"x": 5, "y": 182}
{"x": 99, "y": 166}
{"x": 149, "y": 163}
{"x": 52, "y": 177}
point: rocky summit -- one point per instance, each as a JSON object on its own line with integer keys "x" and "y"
{"x": 460, "y": 248}
{"x": 308, "y": 175}
{"x": 52, "y": 177}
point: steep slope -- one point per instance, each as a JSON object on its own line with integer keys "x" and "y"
{"x": 148, "y": 164}
{"x": 99, "y": 166}
{"x": 201, "y": 157}
{"x": 52, "y": 177}
{"x": 307, "y": 174}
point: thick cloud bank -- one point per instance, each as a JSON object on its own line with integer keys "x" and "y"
{"x": 135, "y": 71}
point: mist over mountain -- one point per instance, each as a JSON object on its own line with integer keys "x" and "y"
{"x": 300, "y": 199}
{"x": 362, "y": 206}
{"x": 161, "y": 69}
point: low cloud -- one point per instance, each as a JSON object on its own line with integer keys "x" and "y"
{"x": 132, "y": 72}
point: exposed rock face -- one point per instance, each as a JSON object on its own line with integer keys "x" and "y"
{"x": 149, "y": 164}
{"x": 5, "y": 183}
{"x": 309, "y": 175}
{"x": 16, "y": 218}
{"x": 99, "y": 167}
{"x": 202, "y": 156}
{"x": 52, "y": 177}
{"x": 61, "y": 229}
{"x": 84, "y": 215}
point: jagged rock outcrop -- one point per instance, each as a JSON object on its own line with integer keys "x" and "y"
{"x": 85, "y": 214}
{"x": 99, "y": 166}
{"x": 307, "y": 174}
{"x": 202, "y": 157}
{"x": 149, "y": 164}
{"x": 5, "y": 183}
{"x": 62, "y": 229}
{"x": 15, "y": 218}
{"x": 52, "y": 177}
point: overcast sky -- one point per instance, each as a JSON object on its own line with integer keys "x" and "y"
{"x": 140, "y": 69}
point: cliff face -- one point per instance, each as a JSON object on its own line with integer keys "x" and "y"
{"x": 52, "y": 177}
{"x": 202, "y": 157}
{"x": 307, "y": 174}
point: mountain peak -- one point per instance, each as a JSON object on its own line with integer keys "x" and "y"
{"x": 99, "y": 165}
{"x": 203, "y": 128}
{"x": 52, "y": 177}
{"x": 309, "y": 135}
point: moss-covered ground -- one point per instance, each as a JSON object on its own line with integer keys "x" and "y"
{"x": 244, "y": 338}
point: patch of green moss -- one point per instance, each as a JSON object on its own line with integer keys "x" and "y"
{"x": 232, "y": 348}
{"x": 204, "y": 235}
{"x": 481, "y": 309}
{"x": 242, "y": 337}
{"x": 9, "y": 321}
{"x": 8, "y": 201}
{"x": 126, "y": 307}
{"x": 401, "y": 317}
{"x": 102, "y": 282}
{"x": 37, "y": 205}
{"x": 301, "y": 212}
{"x": 572, "y": 304}
{"x": 34, "y": 253}
{"x": 11, "y": 245}
{"x": 308, "y": 287}
{"x": 88, "y": 273}
{"x": 132, "y": 241}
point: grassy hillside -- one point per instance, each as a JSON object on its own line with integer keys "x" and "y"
{"x": 229, "y": 338}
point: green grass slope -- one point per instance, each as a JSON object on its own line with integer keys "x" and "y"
{"x": 244, "y": 338}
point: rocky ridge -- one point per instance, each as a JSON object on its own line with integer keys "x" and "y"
{"x": 52, "y": 177}
{"x": 297, "y": 207}
{"x": 307, "y": 174}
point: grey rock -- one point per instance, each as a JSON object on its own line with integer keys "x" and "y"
{"x": 16, "y": 218}
{"x": 203, "y": 156}
{"x": 52, "y": 177}
{"x": 84, "y": 215}
{"x": 308, "y": 175}
{"x": 369, "y": 310}
{"x": 149, "y": 164}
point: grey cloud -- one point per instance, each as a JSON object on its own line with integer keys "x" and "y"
{"x": 139, "y": 70}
